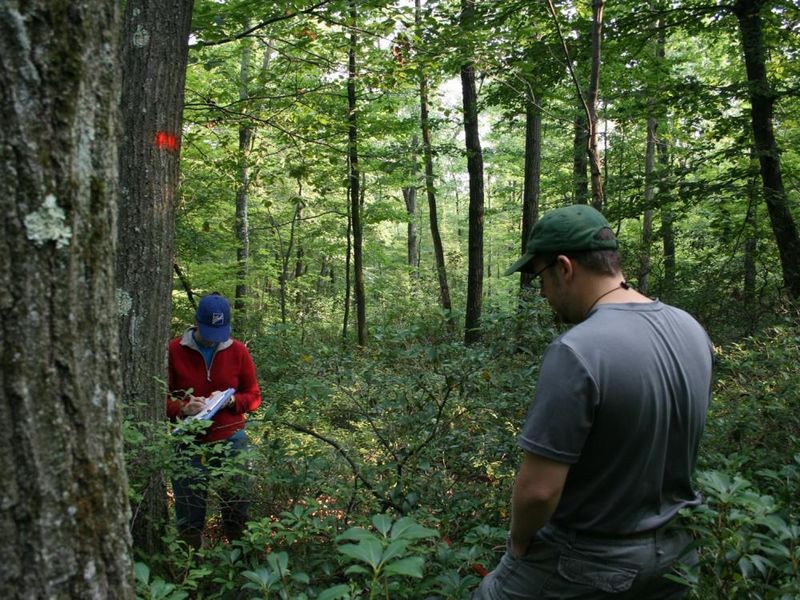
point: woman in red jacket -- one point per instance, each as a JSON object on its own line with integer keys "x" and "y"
{"x": 205, "y": 360}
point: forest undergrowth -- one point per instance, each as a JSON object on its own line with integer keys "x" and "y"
{"x": 386, "y": 472}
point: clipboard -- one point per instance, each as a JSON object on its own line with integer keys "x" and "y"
{"x": 213, "y": 404}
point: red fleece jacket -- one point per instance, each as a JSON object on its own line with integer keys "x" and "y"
{"x": 231, "y": 367}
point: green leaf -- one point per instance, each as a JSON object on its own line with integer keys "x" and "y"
{"x": 356, "y": 569}
{"x": 356, "y": 534}
{"x": 337, "y": 592}
{"x": 142, "y": 572}
{"x": 395, "y": 549}
{"x": 367, "y": 550}
{"x": 410, "y": 567}
{"x": 382, "y": 523}
{"x": 407, "y": 528}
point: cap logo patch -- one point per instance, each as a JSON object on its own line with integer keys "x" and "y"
{"x": 217, "y": 319}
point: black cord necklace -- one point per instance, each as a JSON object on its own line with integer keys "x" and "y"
{"x": 623, "y": 285}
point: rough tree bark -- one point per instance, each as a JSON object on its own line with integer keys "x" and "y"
{"x": 63, "y": 502}
{"x": 472, "y": 322}
{"x": 154, "y": 49}
{"x": 762, "y": 100}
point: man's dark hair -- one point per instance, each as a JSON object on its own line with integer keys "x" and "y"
{"x": 602, "y": 262}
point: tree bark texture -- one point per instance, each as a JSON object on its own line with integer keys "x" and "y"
{"x": 436, "y": 238}
{"x": 154, "y": 48}
{"x": 532, "y": 176}
{"x": 63, "y": 502}
{"x": 472, "y": 320}
{"x": 355, "y": 182}
{"x": 762, "y": 100}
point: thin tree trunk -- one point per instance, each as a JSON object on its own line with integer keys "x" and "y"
{"x": 667, "y": 227}
{"x": 154, "y": 46}
{"x": 242, "y": 189}
{"x": 594, "y": 88}
{"x": 355, "y": 182}
{"x": 580, "y": 162}
{"x": 472, "y": 322}
{"x": 750, "y": 251}
{"x": 762, "y": 99}
{"x": 533, "y": 170}
{"x": 647, "y": 216}
{"x": 348, "y": 254}
{"x": 64, "y": 511}
{"x": 436, "y": 238}
{"x": 410, "y": 199}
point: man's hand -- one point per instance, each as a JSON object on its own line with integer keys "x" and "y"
{"x": 194, "y": 406}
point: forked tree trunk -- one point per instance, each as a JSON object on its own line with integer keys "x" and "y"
{"x": 63, "y": 502}
{"x": 154, "y": 46}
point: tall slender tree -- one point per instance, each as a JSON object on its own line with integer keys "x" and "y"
{"x": 430, "y": 191}
{"x": 469, "y": 95}
{"x": 355, "y": 181}
{"x": 63, "y": 503}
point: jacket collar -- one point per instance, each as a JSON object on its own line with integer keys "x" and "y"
{"x": 188, "y": 340}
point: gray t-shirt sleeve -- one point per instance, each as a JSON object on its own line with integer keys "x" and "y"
{"x": 561, "y": 415}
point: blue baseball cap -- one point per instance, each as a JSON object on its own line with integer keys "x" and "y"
{"x": 214, "y": 318}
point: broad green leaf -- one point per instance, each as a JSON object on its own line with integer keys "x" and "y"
{"x": 356, "y": 569}
{"x": 395, "y": 549}
{"x": 382, "y": 523}
{"x": 410, "y": 567}
{"x": 407, "y": 528}
{"x": 142, "y": 572}
{"x": 355, "y": 534}
{"x": 337, "y": 592}
{"x": 367, "y": 550}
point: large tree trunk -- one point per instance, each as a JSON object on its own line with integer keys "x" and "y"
{"x": 242, "y": 188}
{"x": 63, "y": 503}
{"x": 154, "y": 54}
{"x": 762, "y": 99}
{"x": 436, "y": 238}
{"x": 532, "y": 176}
{"x": 355, "y": 182}
{"x": 472, "y": 321}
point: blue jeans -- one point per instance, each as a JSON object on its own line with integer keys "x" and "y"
{"x": 191, "y": 490}
{"x": 563, "y": 564}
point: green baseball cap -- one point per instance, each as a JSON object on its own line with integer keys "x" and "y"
{"x": 568, "y": 229}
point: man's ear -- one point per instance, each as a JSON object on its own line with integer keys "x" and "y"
{"x": 566, "y": 267}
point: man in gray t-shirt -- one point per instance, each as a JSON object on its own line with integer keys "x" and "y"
{"x": 610, "y": 441}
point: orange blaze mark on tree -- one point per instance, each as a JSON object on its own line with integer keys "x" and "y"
{"x": 166, "y": 141}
